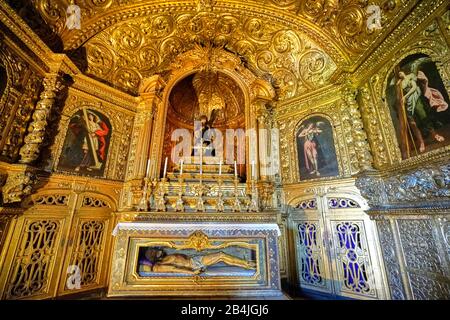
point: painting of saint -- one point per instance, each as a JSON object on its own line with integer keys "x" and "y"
{"x": 159, "y": 260}
{"x": 315, "y": 147}
{"x": 86, "y": 144}
{"x": 418, "y": 103}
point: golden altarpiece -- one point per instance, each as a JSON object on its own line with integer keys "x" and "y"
{"x": 340, "y": 186}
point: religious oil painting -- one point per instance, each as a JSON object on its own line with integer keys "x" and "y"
{"x": 315, "y": 148}
{"x": 86, "y": 144}
{"x": 231, "y": 261}
{"x": 418, "y": 103}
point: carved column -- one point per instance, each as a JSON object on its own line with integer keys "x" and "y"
{"x": 141, "y": 141}
{"x": 150, "y": 100}
{"x": 264, "y": 140}
{"x": 262, "y": 93}
{"x": 359, "y": 137}
{"x": 143, "y": 126}
{"x": 374, "y": 128}
{"x": 36, "y": 131}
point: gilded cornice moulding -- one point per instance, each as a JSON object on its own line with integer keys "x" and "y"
{"x": 15, "y": 23}
{"x": 288, "y": 108}
{"x": 425, "y": 187}
{"x": 107, "y": 93}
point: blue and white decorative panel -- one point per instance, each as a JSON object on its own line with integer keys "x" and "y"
{"x": 310, "y": 264}
{"x": 352, "y": 258}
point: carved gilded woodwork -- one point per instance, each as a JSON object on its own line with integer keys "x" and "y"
{"x": 416, "y": 256}
{"x": 342, "y": 134}
{"x": 359, "y": 137}
{"x": 45, "y": 226}
{"x": 294, "y": 61}
{"x": 322, "y": 221}
{"x": 214, "y": 59}
{"x": 125, "y": 279}
{"x": 378, "y": 136}
{"x": 18, "y": 184}
{"x": 17, "y": 102}
{"x": 403, "y": 34}
{"x": 33, "y": 262}
{"x": 320, "y": 58}
{"x": 429, "y": 41}
{"x": 343, "y": 23}
{"x": 36, "y": 131}
{"x": 426, "y": 186}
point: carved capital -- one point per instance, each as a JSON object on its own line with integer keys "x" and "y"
{"x": 359, "y": 136}
{"x": 19, "y": 184}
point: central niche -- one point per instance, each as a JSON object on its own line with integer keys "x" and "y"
{"x": 206, "y": 93}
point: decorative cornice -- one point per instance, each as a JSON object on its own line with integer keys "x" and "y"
{"x": 15, "y": 23}
{"x": 425, "y": 187}
{"x": 109, "y": 94}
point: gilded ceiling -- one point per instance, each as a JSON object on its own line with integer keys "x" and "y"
{"x": 298, "y": 44}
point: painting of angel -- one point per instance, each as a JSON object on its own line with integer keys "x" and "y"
{"x": 86, "y": 144}
{"x": 316, "y": 151}
{"x": 418, "y": 102}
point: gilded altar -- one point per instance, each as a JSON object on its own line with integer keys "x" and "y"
{"x": 247, "y": 256}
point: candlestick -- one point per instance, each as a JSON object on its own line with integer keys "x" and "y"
{"x": 201, "y": 156}
{"x": 165, "y": 168}
{"x": 235, "y": 168}
{"x": 148, "y": 168}
{"x": 181, "y": 167}
{"x": 220, "y": 168}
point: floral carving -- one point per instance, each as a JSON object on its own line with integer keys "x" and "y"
{"x": 425, "y": 185}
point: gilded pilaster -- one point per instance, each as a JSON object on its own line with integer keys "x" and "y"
{"x": 360, "y": 146}
{"x": 374, "y": 129}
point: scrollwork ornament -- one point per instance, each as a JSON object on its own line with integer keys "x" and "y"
{"x": 18, "y": 186}
{"x": 391, "y": 260}
{"x": 425, "y": 185}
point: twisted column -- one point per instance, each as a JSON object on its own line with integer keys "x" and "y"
{"x": 36, "y": 131}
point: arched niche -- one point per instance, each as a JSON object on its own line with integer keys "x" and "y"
{"x": 256, "y": 92}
